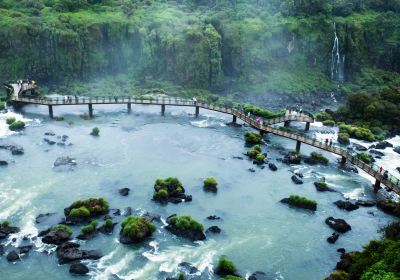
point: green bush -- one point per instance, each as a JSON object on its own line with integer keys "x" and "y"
{"x": 360, "y": 133}
{"x": 365, "y": 157}
{"x": 170, "y": 182}
{"x": 231, "y": 277}
{"x": 319, "y": 157}
{"x": 301, "y": 201}
{"x": 328, "y": 122}
{"x": 226, "y": 266}
{"x": 323, "y": 116}
{"x": 2, "y": 105}
{"x": 10, "y": 120}
{"x": 89, "y": 207}
{"x": 5, "y": 224}
{"x": 95, "y": 131}
{"x": 108, "y": 223}
{"x": 338, "y": 275}
{"x": 252, "y": 138}
{"x": 210, "y": 182}
{"x": 137, "y": 227}
{"x": 392, "y": 231}
{"x": 62, "y": 228}
{"x": 343, "y": 138}
{"x": 89, "y": 228}
{"x": 257, "y": 148}
{"x": 253, "y": 153}
{"x": 260, "y": 158}
{"x": 162, "y": 194}
{"x": 260, "y": 112}
{"x": 81, "y": 212}
{"x": 185, "y": 222}
{"x": 181, "y": 276}
{"x": 17, "y": 125}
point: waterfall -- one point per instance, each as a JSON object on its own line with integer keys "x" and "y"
{"x": 337, "y": 61}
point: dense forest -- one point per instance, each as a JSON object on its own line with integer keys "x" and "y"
{"x": 222, "y": 46}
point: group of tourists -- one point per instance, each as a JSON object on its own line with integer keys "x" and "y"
{"x": 385, "y": 173}
{"x": 68, "y": 99}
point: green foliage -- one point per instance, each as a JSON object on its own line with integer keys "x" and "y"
{"x": 5, "y": 224}
{"x": 392, "y": 231}
{"x": 185, "y": 222}
{"x": 260, "y": 157}
{"x": 62, "y": 228}
{"x": 2, "y": 105}
{"x": 163, "y": 187}
{"x": 89, "y": 228}
{"x": 323, "y": 116}
{"x": 162, "y": 194}
{"x": 226, "y": 265}
{"x": 137, "y": 227}
{"x": 17, "y": 125}
{"x": 210, "y": 182}
{"x": 89, "y": 207}
{"x": 343, "y": 138}
{"x": 95, "y": 131}
{"x": 361, "y": 133}
{"x": 252, "y": 138}
{"x": 169, "y": 183}
{"x": 181, "y": 276}
{"x": 301, "y": 201}
{"x": 254, "y": 152}
{"x": 231, "y": 277}
{"x": 338, "y": 275}
{"x": 328, "y": 122}
{"x": 10, "y": 120}
{"x": 108, "y": 223}
{"x": 260, "y": 112}
{"x": 319, "y": 157}
{"x": 365, "y": 157}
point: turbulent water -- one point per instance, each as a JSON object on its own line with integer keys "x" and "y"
{"x": 258, "y": 232}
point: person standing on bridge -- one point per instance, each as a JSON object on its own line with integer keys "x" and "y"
{"x": 380, "y": 170}
{"x": 194, "y": 101}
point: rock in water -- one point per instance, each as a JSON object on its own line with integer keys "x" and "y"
{"x": 56, "y": 237}
{"x": 365, "y": 203}
{"x": 3, "y": 163}
{"x": 25, "y": 249}
{"x": 79, "y": 269}
{"x": 213, "y": 217}
{"x": 259, "y": 275}
{"x": 69, "y": 252}
{"x": 397, "y": 149}
{"x": 297, "y": 180}
{"x": 383, "y": 145}
{"x": 339, "y": 225}
{"x": 124, "y": 191}
{"x": 333, "y": 238}
{"x": 292, "y": 158}
{"x": 272, "y": 167}
{"x": 346, "y": 205}
{"x": 15, "y": 150}
{"x": 65, "y": 163}
{"x": 213, "y": 229}
{"x": 323, "y": 187}
{"x": 13, "y": 256}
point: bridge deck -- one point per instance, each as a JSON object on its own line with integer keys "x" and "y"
{"x": 391, "y": 181}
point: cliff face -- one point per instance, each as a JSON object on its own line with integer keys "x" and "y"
{"x": 278, "y": 53}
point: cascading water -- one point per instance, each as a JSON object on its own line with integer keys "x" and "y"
{"x": 337, "y": 62}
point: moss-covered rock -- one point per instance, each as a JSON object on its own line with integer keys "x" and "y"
{"x": 89, "y": 231}
{"x": 17, "y": 125}
{"x": 226, "y": 267}
{"x": 210, "y": 184}
{"x": 316, "y": 158}
{"x": 82, "y": 210}
{"x": 343, "y": 138}
{"x": 185, "y": 226}
{"x": 56, "y": 235}
{"x": 300, "y": 202}
{"x": 135, "y": 230}
{"x": 252, "y": 138}
{"x": 170, "y": 190}
{"x": 389, "y": 206}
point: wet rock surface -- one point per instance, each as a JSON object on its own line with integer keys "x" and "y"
{"x": 340, "y": 225}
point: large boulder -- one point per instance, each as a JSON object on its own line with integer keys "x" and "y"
{"x": 297, "y": 180}
{"x": 78, "y": 269}
{"x": 383, "y": 145}
{"x": 339, "y": 225}
{"x": 124, "y": 191}
{"x": 55, "y": 236}
{"x": 13, "y": 257}
{"x": 397, "y": 149}
{"x": 170, "y": 190}
{"x": 389, "y": 207}
{"x": 345, "y": 262}
{"x": 43, "y": 217}
{"x": 292, "y": 158}
{"x": 346, "y": 205}
{"x": 323, "y": 187}
{"x": 213, "y": 229}
{"x": 365, "y": 203}
{"x": 6, "y": 229}
{"x": 359, "y": 147}
{"x": 135, "y": 230}
{"x": 333, "y": 238}
{"x": 70, "y": 252}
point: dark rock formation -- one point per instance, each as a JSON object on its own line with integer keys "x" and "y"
{"x": 49, "y": 133}
{"x": 189, "y": 233}
{"x": 124, "y": 191}
{"x": 297, "y": 180}
{"x": 397, "y": 150}
{"x": 345, "y": 262}
{"x": 56, "y": 237}
{"x": 25, "y": 249}
{"x": 151, "y": 217}
{"x": 359, "y": 147}
{"x": 78, "y": 269}
{"x": 259, "y": 275}
{"x": 339, "y": 225}
{"x": 42, "y": 217}
{"x": 323, "y": 187}
{"x": 341, "y": 250}
{"x": 107, "y": 229}
{"x": 69, "y": 252}
{"x": 213, "y": 217}
{"x": 3, "y": 163}
{"x": 272, "y": 167}
{"x": 252, "y": 170}
{"x": 383, "y": 145}
{"x": 292, "y": 158}
{"x": 188, "y": 268}
{"x": 6, "y": 230}
{"x": 346, "y": 205}
{"x": 389, "y": 207}
{"x": 213, "y": 229}
{"x": 377, "y": 153}
{"x": 333, "y": 238}
{"x": 65, "y": 163}
{"x": 48, "y": 141}
{"x": 13, "y": 256}
{"x": 365, "y": 203}
{"x": 14, "y": 149}
{"x": 304, "y": 206}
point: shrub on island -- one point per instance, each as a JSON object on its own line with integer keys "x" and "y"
{"x": 95, "y": 131}
{"x": 260, "y": 159}
{"x": 225, "y": 267}
{"x": 328, "y": 122}
{"x": 170, "y": 190}
{"x": 254, "y": 151}
{"x": 232, "y": 277}
{"x": 360, "y": 133}
{"x": 107, "y": 227}
{"x": 17, "y": 125}
{"x": 10, "y": 120}
{"x": 365, "y": 157}
{"x": 389, "y": 207}
{"x": 261, "y": 112}
{"x": 343, "y": 138}
{"x": 82, "y": 210}
{"x": 316, "y": 158}
{"x": 210, "y": 184}
{"x": 56, "y": 235}
{"x": 185, "y": 226}
{"x": 135, "y": 230}
{"x": 323, "y": 116}
{"x": 301, "y": 202}
{"x": 87, "y": 232}
{"x": 252, "y": 138}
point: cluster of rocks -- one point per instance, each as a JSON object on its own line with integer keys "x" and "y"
{"x": 52, "y": 139}
{"x": 65, "y": 164}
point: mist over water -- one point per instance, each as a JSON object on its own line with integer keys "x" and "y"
{"x": 258, "y": 232}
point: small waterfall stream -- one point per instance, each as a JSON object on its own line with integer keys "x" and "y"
{"x": 337, "y": 60}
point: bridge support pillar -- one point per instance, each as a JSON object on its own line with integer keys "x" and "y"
{"x": 197, "y": 111}
{"x": 90, "y": 110}
{"x": 298, "y": 144}
{"x": 262, "y": 133}
{"x": 163, "y": 110}
{"x": 51, "y": 111}
{"x": 129, "y": 106}
{"x": 307, "y": 126}
{"x": 286, "y": 124}
{"x": 343, "y": 160}
{"x": 234, "y": 119}
{"x": 377, "y": 185}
